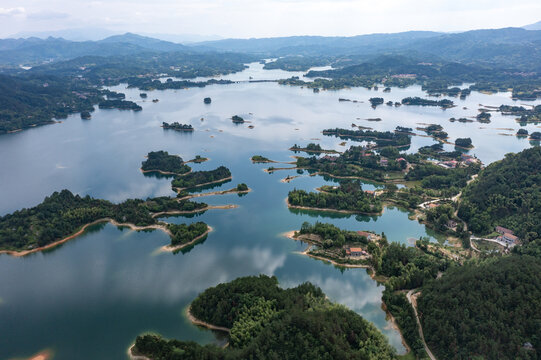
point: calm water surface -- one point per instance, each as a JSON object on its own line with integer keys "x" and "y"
{"x": 90, "y": 298}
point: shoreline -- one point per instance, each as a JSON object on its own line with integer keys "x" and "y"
{"x": 81, "y": 231}
{"x": 290, "y": 235}
{"x": 323, "y": 151}
{"x": 197, "y": 322}
{"x": 132, "y": 356}
{"x": 169, "y": 248}
{"x": 164, "y": 172}
{"x": 332, "y": 210}
{"x": 177, "y": 189}
{"x": 222, "y": 192}
{"x": 181, "y": 212}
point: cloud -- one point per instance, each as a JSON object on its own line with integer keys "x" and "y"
{"x": 47, "y": 15}
{"x": 5, "y": 12}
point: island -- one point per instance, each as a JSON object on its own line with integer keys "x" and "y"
{"x": 119, "y": 104}
{"x": 260, "y": 317}
{"x": 349, "y": 197}
{"x": 85, "y": 115}
{"x": 201, "y": 178}
{"x": 381, "y": 138}
{"x": 162, "y": 162}
{"x": 64, "y": 216}
{"x": 260, "y": 159}
{"x": 444, "y": 104}
{"x": 312, "y": 148}
{"x": 177, "y": 126}
{"x": 375, "y": 101}
{"x": 465, "y": 143}
{"x": 207, "y": 100}
{"x": 237, "y": 119}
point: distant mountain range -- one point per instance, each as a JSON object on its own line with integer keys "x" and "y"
{"x": 507, "y": 47}
{"x": 535, "y": 26}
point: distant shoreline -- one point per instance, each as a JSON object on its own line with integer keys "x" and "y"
{"x": 169, "y": 248}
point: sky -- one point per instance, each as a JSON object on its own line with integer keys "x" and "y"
{"x": 265, "y": 18}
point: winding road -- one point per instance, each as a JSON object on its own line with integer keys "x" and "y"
{"x": 413, "y": 301}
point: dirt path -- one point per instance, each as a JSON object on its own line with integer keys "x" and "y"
{"x": 413, "y": 301}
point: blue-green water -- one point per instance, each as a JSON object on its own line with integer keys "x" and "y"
{"x": 90, "y": 298}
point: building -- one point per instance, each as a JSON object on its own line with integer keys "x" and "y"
{"x": 502, "y": 230}
{"x": 370, "y": 193}
{"x": 366, "y": 234}
{"x": 383, "y": 162}
{"x": 451, "y": 224}
{"x": 509, "y": 238}
{"x": 355, "y": 251}
{"x": 329, "y": 158}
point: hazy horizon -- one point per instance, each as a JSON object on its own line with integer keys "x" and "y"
{"x": 264, "y": 18}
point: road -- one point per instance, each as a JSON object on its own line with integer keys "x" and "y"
{"x": 413, "y": 302}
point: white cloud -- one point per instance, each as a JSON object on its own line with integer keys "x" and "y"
{"x": 12, "y": 11}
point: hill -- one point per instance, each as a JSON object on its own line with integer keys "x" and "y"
{"x": 506, "y": 193}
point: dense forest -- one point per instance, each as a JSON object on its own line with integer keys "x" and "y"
{"x": 382, "y": 138}
{"x": 268, "y": 322}
{"x": 64, "y": 213}
{"x": 162, "y": 161}
{"x": 486, "y": 310}
{"x": 197, "y": 178}
{"x": 506, "y": 193}
{"x": 28, "y": 102}
{"x": 348, "y": 196}
{"x": 183, "y": 233}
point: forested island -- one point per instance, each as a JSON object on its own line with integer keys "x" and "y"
{"x": 161, "y": 161}
{"x": 119, "y": 104}
{"x": 381, "y": 138}
{"x": 348, "y": 197}
{"x": 177, "y": 126}
{"x": 312, "y": 148}
{"x": 444, "y": 104}
{"x": 262, "y": 319}
{"x": 64, "y": 214}
{"x": 200, "y": 178}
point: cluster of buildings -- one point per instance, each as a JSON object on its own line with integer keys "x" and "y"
{"x": 506, "y": 236}
{"x": 465, "y": 160}
{"x": 358, "y": 251}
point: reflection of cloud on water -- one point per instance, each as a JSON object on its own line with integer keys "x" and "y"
{"x": 356, "y": 292}
{"x": 59, "y": 166}
{"x": 141, "y": 191}
{"x": 262, "y": 260}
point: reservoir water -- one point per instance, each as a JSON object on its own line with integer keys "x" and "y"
{"x": 91, "y": 297}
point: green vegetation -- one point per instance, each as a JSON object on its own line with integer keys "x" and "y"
{"x": 198, "y": 178}
{"x": 265, "y": 319}
{"x": 532, "y": 115}
{"x": 62, "y": 214}
{"x": 445, "y": 103}
{"x": 375, "y": 101}
{"x": 260, "y": 159}
{"x": 488, "y": 310}
{"x": 28, "y": 102}
{"x": 237, "y": 119}
{"x": 312, "y": 148}
{"x": 183, "y": 233}
{"x": 177, "y": 126}
{"x": 483, "y": 117}
{"x": 464, "y": 142}
{"x": 162, "y": 161}
{"x": 348, "y": 196}
{"x": 119, "y": 104}
{"x": 242, "y": 187}
{"x": 506, "y": 193}
{"x": 447, "y": 181}
{"x": 381, "y": 138}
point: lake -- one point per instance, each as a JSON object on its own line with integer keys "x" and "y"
{"x": 90, "y": 298}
